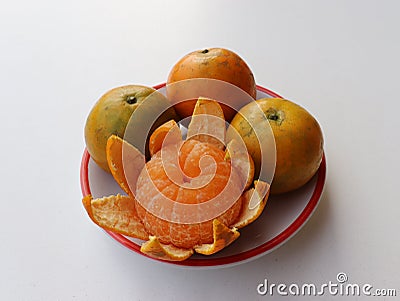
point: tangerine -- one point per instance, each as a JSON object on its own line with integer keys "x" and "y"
{"x": 193, "y": 183}
{"x": 112, "y": 113}
{"x": 298, "y": 139}
{"x": 212, "y": 63}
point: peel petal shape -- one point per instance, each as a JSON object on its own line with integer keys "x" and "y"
{"x": 168, "y": 133}
{"x": 222, "y": 236}
{"x": 208, "y": 123}
{"x": 115, "y": 213}
{"x": 125, "y": 162}
{"x": 154, "y": 248}
{"x": 241, "y": 160}
{"x": 254, "y": 201}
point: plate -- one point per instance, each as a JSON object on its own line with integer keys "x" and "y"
{"x": 283, "y": 216}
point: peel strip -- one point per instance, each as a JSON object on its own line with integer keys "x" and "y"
{"x": 125, "y": 161}
{"x": 115, "y": 213}
{"x": 253, "y": 204}
{"x": 208, "y": 123}
{"x": 168, "y": 133}
{"x": 155, "y": 249}
{"x": 241, "y": 160}
{"x": 223, "y": 236}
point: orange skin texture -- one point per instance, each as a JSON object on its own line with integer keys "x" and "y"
{"x": 215, "y": 63}
{"x": 298, "y": 139}
{"x": 110, "y": 116}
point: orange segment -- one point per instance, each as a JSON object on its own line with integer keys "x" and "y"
{"x": 222, "y": 235}
{"x": 254, "y": 201}
{"x": 155, "y": 249}
{"x": 116, "y": 213}
{"x": 237, "y": 153}
{"x": 168, "y": 133}
{"x": 125, "y": 162}
{"x": 208, "y": 123}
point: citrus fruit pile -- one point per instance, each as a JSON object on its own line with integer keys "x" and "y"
{"x": 192, "y": 163}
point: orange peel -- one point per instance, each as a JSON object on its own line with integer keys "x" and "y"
{"x": 125, "y": 161}
{"x": 116, "y": 213}
{"x": 254, "y": 201}
{"x": 222, "y": 236}
{"x": 208, "y": 123}
{"x": 168, "y": 133}
{"x": 154, "y": 248}
{"x": 241, "y": 160}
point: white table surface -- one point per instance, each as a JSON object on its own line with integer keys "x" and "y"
{"x": 339, "y": 59}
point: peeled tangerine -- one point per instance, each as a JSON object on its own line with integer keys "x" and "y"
{"x": 191, "y": 196}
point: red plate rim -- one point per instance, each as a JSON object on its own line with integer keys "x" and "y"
{"x": 232, "y": 259}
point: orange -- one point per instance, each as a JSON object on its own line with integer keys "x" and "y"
{"x": 112, "y": 113}
{"x": 155, "y": 184}
{"x": 213, "y": 63}
{"x": 298, "y": 140}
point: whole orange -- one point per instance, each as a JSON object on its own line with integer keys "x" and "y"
{"x": 298, "y": 140}
{"x": 112, "y": 114}
{"x": 212, "y": 63}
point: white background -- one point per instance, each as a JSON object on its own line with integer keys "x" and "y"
{"x": 339, "y": 59}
